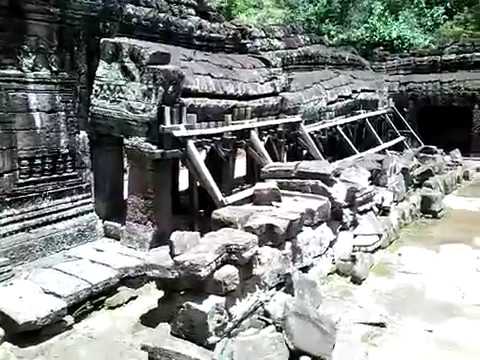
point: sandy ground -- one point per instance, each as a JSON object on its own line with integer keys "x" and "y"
{"x": 421, "y": 301}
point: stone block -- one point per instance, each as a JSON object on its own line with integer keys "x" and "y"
{"x": 123, "y": 296}
{"x": 24, "y": 306}
{"x": 279, "y": 170}
{"x": 224, "y": 280}
{"x": 432, "y": 203}
{"x": 266, "y": 193}
{"x": 182, "y": 241}
{"x": 201, "y": 321}
{"x": 310, "y": 244}
{"x": 343, "y": 247}
{"x": 139, "y": 237}
{"x": 235, "y": 216}
{"x": 355, "y": 175}
{"x": 264, "y": 344}
{"x": 270, "y": 266}
{"x": 216, "y": 249}
{"x": 112, "y": 230}
{"x": 314, "y": 208}
{"x": 271, "y": 230}
{"x": 361, "y": 267}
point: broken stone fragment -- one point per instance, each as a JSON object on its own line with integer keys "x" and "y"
{"x": 24, "y": 306}
{"x": 182, "y": 241}
{"x": 343, "y": 249}
{"x": 361, "y": 267}
{"x": 270, "y": 266}
{"x": 123, "y": 296}
{"x": 307, "y": 331}
{"x": 58, "y": 327}
{"x": 201, "y": 321}
{"x": 276, "y": 307}
{"x": 456, "y": 156}
{"x": 306, "y": 289}
{"x": 396, "y": 184}
{"x": 224, "y": 280}
{"x": 55, "y": 282}
{"x": 265, "y": 344}
{"x": 266, "y": 193}
{"x": 355, "y": 175}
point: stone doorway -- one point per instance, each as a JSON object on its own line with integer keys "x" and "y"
{"x": 447, "y": 127}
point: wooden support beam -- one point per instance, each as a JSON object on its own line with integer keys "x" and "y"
{"x": 349, "y": 142}
{"x": 374, "y": 150}
{"x": 258, "y": 146}
{"x": 239, "y": 196}
{"x": 390, "y": 122}
{"x": 408, "y": 125}
{"x": 373, "y": 131}
{"x": 310, "y": 143}
{"x": 204, "y": 176}
{"x": 245, "y": 125}
{"x": 342, "y": 121}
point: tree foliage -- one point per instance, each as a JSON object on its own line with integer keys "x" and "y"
{"x": 395, "y": 25}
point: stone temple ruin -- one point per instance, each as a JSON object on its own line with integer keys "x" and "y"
{"x": 150, "y": 140}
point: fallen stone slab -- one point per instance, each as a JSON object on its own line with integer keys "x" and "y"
{"x": 235, "y": 216}
{"x": 315, "y": 170}
{"x": 126, "y": 265}
{"x": 264, "y": 344}
{"x": 355, "y": 175}
{"x": 24, "y": 307}
{"x": 161, "y": 347}
{"x": 368, "y": 224}
{"x": 100, "y": 277}
{"x": 279, "y": 170}
{"x": 55, "y": 282}
{"x": 367, "y": 243}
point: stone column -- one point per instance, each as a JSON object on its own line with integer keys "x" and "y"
{"x": 475, "y": 147}
{"x": 107, "y": 159}
{"x": 149, "y": 219}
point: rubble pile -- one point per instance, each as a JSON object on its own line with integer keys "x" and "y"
{"x": 249, "y": 289}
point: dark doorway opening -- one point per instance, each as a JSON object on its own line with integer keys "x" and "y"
{"x": 448, "y": 127}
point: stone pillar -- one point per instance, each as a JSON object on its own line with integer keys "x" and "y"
{"x": 108, "y": 168}
{"x": 475, "y": 147}
{"x": 149, "y": 219}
